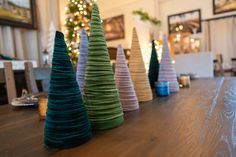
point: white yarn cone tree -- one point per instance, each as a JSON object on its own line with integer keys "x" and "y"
{"x": 50, "y": 46}
{"x": 167, "y": 71}
{"x": 138, "y": 71}
{"x": 81, "y": 65}
{"x": 124, "y": 83}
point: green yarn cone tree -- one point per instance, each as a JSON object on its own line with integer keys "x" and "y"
{"x": 101, "y": 95}
{"x": 66, "y": 123}
{"x": 153, "y": 67}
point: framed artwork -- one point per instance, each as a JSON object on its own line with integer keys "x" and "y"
{"x": 185, "y": 22}
{"x": 114, "y": 28}
{"x": 18, "y": 13}
{"x": 222, "y": 6}
{"x": 183, "y": 43}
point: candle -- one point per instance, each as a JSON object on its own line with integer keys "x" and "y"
{"x": 43, "y": 103}
{"x": 185, "y": 81}
{"x": 162, "y": 88}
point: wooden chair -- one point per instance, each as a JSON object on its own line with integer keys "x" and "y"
{"x": 218, "y": 65}
{"x": 10, "y": 81}
{"x": 29, "y": 77}
{"x": 34, "y": 74}
{"x": 43, "y": 75}
{"x": 233, "y": 66}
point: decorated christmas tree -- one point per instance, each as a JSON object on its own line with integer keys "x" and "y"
{"x": 66, "y": 122}
{"x": 124, "y": 83}
{"x": 153, "y": 67}
{"x": 101, "y": 95}
{"x": 138, "y": 72}
{"x": 167, "y": 71}
{"x": 78, "y": 17}
{"x": 51, "y": 38}
{"x": 81, "y": 66}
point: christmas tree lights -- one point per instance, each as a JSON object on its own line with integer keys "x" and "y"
{"x": 78, "y": 17}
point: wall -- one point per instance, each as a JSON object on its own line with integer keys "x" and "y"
{"x": 170, "y": 7}
{"x": 190, "y": 62}
{"x": 113, "y": 8}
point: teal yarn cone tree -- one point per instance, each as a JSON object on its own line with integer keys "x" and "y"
{"x": 66, "y": 123}
{"x": 153, "y": 66}
{"x": 81, "y": 65}
{"x": 101, "y": 95}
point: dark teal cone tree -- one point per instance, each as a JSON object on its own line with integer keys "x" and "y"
{"x": 101, "y": 95}
{"x": 66, "y": 123}
{"x": 153, "y": 67}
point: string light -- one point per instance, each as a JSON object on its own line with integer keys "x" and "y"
{"x": 78, "y": 17}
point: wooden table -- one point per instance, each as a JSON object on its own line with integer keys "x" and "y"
{"x": 197, "y": 122}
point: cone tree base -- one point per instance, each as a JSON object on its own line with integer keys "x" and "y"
{"x": 108, "y": 124}
{"x": 145, "y": 99}
{"x": 129, "y": 110}
{"x": 67, "y": 144}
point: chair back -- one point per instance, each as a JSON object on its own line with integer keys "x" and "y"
{"x": 10, "y": 81}
{"x": 233, "y": 64}
{"x": 29, "y": 77}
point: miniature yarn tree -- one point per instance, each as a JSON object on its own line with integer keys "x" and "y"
{"x": 81, "y": 65}
{"x": 138, "y": 72}
{"x": 124, "y": 83}
{"x": 66, "y": 123}
{"x": 167, "y": 71}
{"x": 101, "y": 95}
{"x": 153, "y": 67}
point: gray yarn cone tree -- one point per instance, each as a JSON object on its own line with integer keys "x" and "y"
{"x": 138, "y": 71}
{"x": 101, "y": 95}
{"x": 81, "y": 65}
{"x": 167, "y": 71}
{"x": 124, "y": 83}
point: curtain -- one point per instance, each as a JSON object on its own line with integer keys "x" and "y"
{"x": 205, "y": 40}
{"x": 222, "y": 39}
{"x": 28, "y": 44}
{"x": 234, "y": 37}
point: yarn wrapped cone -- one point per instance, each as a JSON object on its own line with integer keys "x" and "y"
{"x": 101, "y": 95}
{"x": 66, "y": 123}
{"x": 124, "y": 83}
{"x": 167, "y": 71}
{"x": 138, "y": 72}
{"x": 81, "y": 65}
{"x": 153, "y": 67}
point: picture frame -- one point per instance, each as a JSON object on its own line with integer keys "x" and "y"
{"x": 18, "y": 13}
{"x": 184, "y": 43}
{"x": 189, "y": 21}
{"x": 223, "y": 6}
{"x": 114, "y": 28}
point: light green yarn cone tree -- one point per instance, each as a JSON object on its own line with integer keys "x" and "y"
{"x": 101, "y": 95}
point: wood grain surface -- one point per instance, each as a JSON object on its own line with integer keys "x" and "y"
{"x": 197, "y": 122}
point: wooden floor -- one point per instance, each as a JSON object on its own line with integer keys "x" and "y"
{"x": 197, "y": 122}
